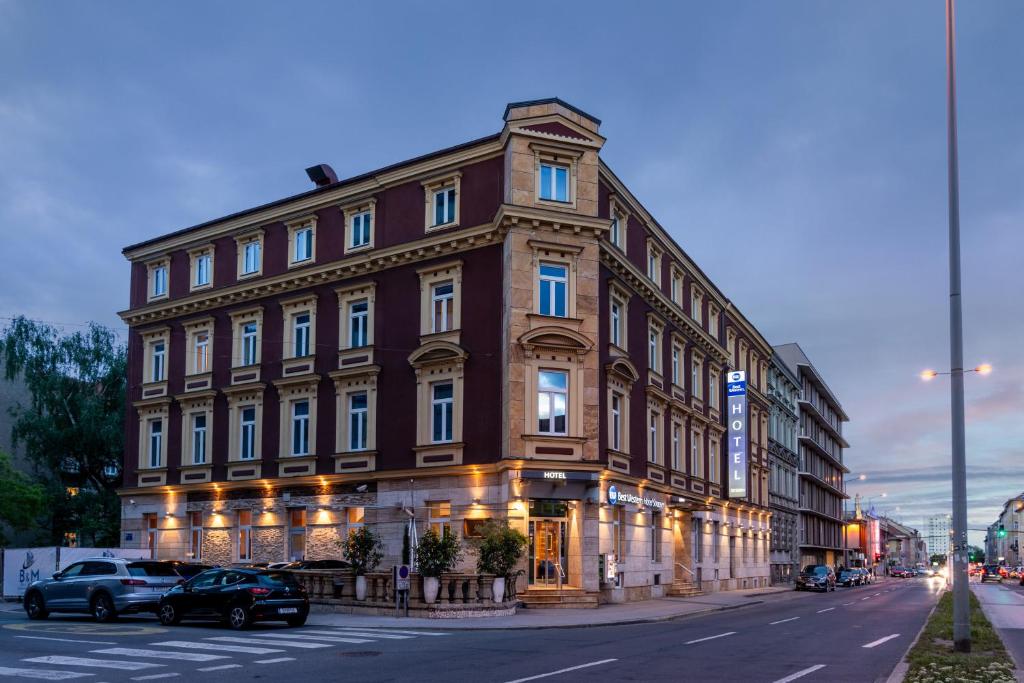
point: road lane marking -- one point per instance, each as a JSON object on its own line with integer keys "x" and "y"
{"x": 848, "y": 603}
{"x": 42, "y": 674}
{"x": 393, "y": 630}
{"x": 358, "y": 634}
{"x": 801, "y": 673}
{"x": 875, "y": 643}
{"x": 276, "y": 643}
{"x": 863, "y": 599}
{"x": 158, "y": 654}
{"x": 154, "y": 676}
{"x": 188, "y": 645}
{"x": 331, "y": 638}
{"x": 71, "y": 640}
{"x": 701, "y": 640}
{"x": 876, "y": 595}
{"x": 827, "y": 609}
{"x": 220, "y": 667}
{"x": 783, "y": 621}
{"x": 87, "y": 661}
{"x": 562, "y": 671}
{"x": 275, "y": 660}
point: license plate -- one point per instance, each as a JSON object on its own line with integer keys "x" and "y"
{"x": 288, "y": 610}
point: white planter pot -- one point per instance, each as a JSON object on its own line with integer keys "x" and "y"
{"x": 498, "y": 588}
{"x": 430, "y": 586}
{"x": 360, "y": 588}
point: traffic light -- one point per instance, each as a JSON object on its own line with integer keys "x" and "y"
{"x": 1002, "y": 531}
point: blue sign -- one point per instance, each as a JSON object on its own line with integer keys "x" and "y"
{"x": 613, "y": 494}
{"x": 736, "y": 416}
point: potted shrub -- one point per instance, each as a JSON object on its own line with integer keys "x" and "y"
{"x": 362, "y": 551}
{"x": 501, "y": 547}
{"x": 436, "y": 555}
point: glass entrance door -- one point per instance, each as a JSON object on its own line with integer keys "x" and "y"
{"x": 547, "y": 552}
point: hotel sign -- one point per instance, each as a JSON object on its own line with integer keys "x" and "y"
{"x": 617, "y": 497}
{"x": 736, "y": 415}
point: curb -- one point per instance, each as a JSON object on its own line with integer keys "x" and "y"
{"x": 901, "y": 669}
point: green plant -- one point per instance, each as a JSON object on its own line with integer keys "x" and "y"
{"x": 435, "y": 554}
{"x": 362, "y": 550}
{"x": 500, "y": 549}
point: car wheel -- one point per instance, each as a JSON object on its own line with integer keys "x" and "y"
{"x": 168, "y": 615}
{"x": 239, "y": 617}
{"x": 103, "y": 608}
{"x": 297, "y": 621}
{"x": 35, "y": 608}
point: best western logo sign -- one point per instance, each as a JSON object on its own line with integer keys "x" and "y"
{"x": 736, "y": 415}
{"x": 616, "y": 497}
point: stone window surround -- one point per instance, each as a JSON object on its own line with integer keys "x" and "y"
{"x": 697, "y": 360}
{"x": 361, "y": 380}
{"x": 696, "y": 311}
{"x": 730, "y": 345}
{"x": 616, "y": 210}
{"x": 193, "y": 328}
{"x": 193, "y": 257}
{"x": 293, "y": 227}
{"x": 678, "y": 420}
{"x": 676, "y": 280}
{"x": 616, "y": 292}
{"x": 657, "y": 326}
{"x": 191, "y": 406}
{"x": 656, "y": 408}
{"x": 560, "y": 362}
{"x": 714, "y": 377}
{"x": 713, "y": 318}
{"x": 292, "y": 391}
{"x": 150, "y": 412}
{"x": 715, "y": 461}
{"x": 305, "y": 303}
{"x": 241, "y": 241}
{"x": 352, "y": 209}
{"x": 743, "y": 347}
{"x": 435, "y": 184}
{"x": 620, "y": 376}
{"x": 554, "y": 155}
{"x": 430, "y": 276}
{"x": 244, "y": 397}
{"x": 657, "y": 252}
{"x": 679, "y": 344}
{"x": 151, "y": 266}
{"x": 347, "y": 296}
{"x": 239, "y": 319}
{"x": 149, "y": 338}
{"x": 697, "y": 437}
{"x": 451, "y": 368}
{"x": 558, "y": 254}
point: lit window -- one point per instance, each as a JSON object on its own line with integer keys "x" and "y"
{"x": 444, "y": 206}
{"x": 199, "y": 439}
{"x": 159, "y": 281}
{"x": 552, "y": 400}
{"x": 202, "y": 352}
{"x": 554, "y": 289}
{"x": 355, "y": 517}
{"x": 249, "y": 344}
{"x": 202, "y": 270}
{"x": 248, "y": 433}
{"x": 554, "y": 182}
{"x": 251, "y": 258}
{"x": 357, "y": 420}
{"x": 358, "y": 314}
{"x": 301, "y": 335}
{"x": 617, "y": 421}
{"x": 440, "y": 516}
{"x": 156, "y": 439}
{"x": 196, "y": 537}
{"x": 442, "y": 304}
{"x": 245, "y": 535}
{"x": 361, "y": 223}
{"x": 442, "y": 403}
{"x": 300, "y": 428}
{"x": 159, "y": 361}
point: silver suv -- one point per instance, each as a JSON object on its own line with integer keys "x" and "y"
{"x": 103, "y": 587}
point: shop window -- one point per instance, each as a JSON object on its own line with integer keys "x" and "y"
{"x": 619, "y": 540}
{"x": 355, "y": 517}
{"x": 149, "y": 526}
{"x": 296, "y": 534}
{"x": 195, "y": 544}
{"x": 440, "y": 516}
{"x": 244, "y": 532}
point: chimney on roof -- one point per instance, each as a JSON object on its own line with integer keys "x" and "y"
{"x": 322, "y": 174}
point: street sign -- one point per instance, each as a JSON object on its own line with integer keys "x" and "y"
{"x": 402, "y": 577}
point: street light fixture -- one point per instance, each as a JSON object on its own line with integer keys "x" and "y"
{"x": 983, "y": 369}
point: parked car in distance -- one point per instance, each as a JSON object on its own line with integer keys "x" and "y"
{"x": 991, "y": 572}
{"x": 816, "y": 577}
{"x": 238, "y": 596}
{"x": 102, "y": 586}
{"x": 317, "y": 564}
{"x": 849, "y": 577}
{"x": 187, "y": 570}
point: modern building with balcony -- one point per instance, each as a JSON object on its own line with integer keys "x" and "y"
{"x": 496, "y": 330}
{"x": 821, "y": 468}
{"x": 783, "y": 461}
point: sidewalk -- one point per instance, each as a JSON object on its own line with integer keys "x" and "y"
{"x": 661, "y": 609}
{"x": 1004, "y": 607}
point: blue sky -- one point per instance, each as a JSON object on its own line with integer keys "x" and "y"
{"x": 804, "y": 141}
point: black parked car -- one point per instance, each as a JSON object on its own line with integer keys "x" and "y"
{"x": 318, "y": 564}
{"x": 238, "y": 597}
{"x": 816, "y": 577}
{"x": 849, "y": 577}
{"x": 187, "y": 570}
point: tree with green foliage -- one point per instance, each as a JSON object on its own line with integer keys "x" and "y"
{"x": 73, "y": 427}
{"x": 21, "y": 501}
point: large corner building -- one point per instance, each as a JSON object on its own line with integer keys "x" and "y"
{"x": 495, "y": 330}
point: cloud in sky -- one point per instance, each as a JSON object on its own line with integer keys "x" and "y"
{"x": 805, "y": 139}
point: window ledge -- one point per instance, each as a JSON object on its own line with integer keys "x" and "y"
{"x": 359, "y": 249}
{"x": 249, "y": 276}
{"x": 442, "y": 226}
{"x": 453, "y": 336}
{"x": 158, "y": 297}
{"x": 199, "y": 288}
{"x": 621, "y": 454}
{"x": 299, "y": 264}
{"x": 435, "y": 446}
{"x": 554, "y": 437}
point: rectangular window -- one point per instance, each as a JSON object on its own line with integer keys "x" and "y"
{"x": 202, "y": 269}
{"x": 358, "y": 315}
{"x": 615, "y": 232}
{"x": 156, "y": 440}
{"x": 251, "y": 258}
{"x": 159, "y": 361}
{"x": 300, "y": 333}
{"x": 677, "y": 447}
{"x": 248, "y": 433}
{"x": 652, "y": 448}
{"x": 149, "y": 523}
{"x": 554, "y": 182}
{"x": 444, "y": 206}
{"x": 355, "y": 517}
{"x": 361, "y": 229}
{"x": 442, "y": 404}
{"x": 714, "y": 467}
{"x": 713, "y": 391}
{"x": 202, "y": 352}
{"x": 696, "y": 461}
{"x": 616, "y": 322}
{"x": 442, "y": 305}
{"x": 552, "y": 400}
{"x": 195, "y": 546}
{"x": 440, "y": 516}
{"x": 296, "y": 534}
{"x": 616, "y": 421}
{"x": 303, "y": 244}
{"x": 554, "y": 289}
{"x": 300, "y": 428}
{"x": 676, "y": 372}
{"x": 357, "y": 421}
{"x": 199, "y": 439}
{"x": 249, "y": 344}
{"x": 656, "y": 537}
{"x": 159, "y": 281}
{"x": 677, "y": 287}
{"x": 653, "y": 349}
{"x": 244, "y": 535}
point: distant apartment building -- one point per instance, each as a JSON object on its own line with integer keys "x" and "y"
{"x": 783, "y": 461}
{"x": 936, "y": 534}
{"x": 821, "y": 468}
{"x": 1005, "y": 536}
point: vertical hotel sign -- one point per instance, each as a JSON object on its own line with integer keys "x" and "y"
{"x": 736, "y": 396}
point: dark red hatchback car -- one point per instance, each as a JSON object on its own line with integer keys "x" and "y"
{"x": 237, "y": 596}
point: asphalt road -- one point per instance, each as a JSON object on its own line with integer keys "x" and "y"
{"x": 854, "y": 634}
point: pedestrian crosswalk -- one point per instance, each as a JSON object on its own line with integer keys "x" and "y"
{"x": 152, "y": 659}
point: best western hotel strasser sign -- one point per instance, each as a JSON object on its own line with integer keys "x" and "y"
{"x": 736, "y": 393}
{"x": 617, "y": 497}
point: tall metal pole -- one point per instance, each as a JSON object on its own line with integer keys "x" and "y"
{"x": 961, "y": 604}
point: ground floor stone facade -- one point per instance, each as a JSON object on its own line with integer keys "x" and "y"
{"x": 589, "y": 529}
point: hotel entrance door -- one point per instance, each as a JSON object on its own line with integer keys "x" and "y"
{"x": 548, "y": 566}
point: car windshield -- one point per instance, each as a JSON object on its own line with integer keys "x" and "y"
{"x": 278, "y": 578}
{"x": 151, "y": 569}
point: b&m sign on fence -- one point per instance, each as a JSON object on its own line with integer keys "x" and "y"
{"x": 736, "y": 412}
